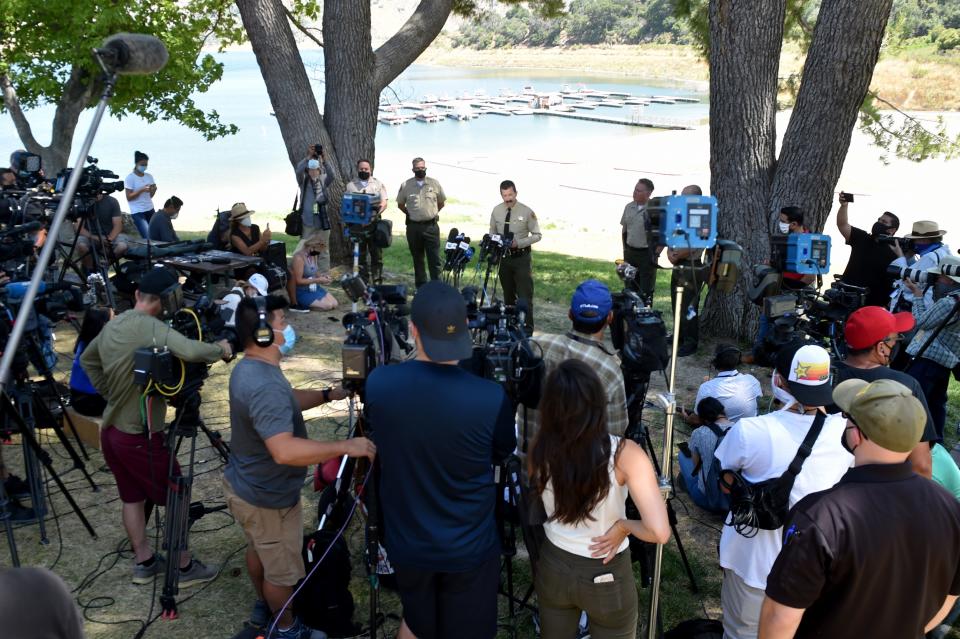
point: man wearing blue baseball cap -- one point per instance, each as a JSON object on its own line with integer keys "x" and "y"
{"x": 591, "y": 311}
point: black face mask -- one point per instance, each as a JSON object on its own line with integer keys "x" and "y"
{"x": 879, "y": 228}
{"x": 314, "y": 253}
{"x": 420, "y": 173}
{"x": 843, "y": 442}
{"x": 363, "y": 175}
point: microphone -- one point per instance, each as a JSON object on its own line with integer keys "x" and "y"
{"x": 133, "y": 53}
{"x": 29, "y": 227}
{"x": 450, "y": 247}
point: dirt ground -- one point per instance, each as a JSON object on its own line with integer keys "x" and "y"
{"x": 98, "y": 570}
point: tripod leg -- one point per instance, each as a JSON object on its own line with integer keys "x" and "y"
{"x": 77, "y": 462}
{"x": 672, "y": 516}
{"x": 8, "y": 527}
{"x": 69, "y": 420}
{"x": 176, "y": 530}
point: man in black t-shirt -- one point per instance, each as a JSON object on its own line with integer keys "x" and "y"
{"x": 873, "y": 336}
{"x": 877, "y": 555}
{"x": 869, "y": 257}
{"x": 439, "y": 430}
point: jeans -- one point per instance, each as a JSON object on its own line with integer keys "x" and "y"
{"x": 142, "y": 221}
{"x": 692, "y": 482}
{"x": 934, "y": 380}
{"x": 762, "y": 331}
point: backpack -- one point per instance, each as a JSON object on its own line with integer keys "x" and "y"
{"x": 716, "y": 498}
{"x": 382, "y": 236}
{"x": 696, "y": 629}
{"x": 219, "y": 235}
{"x": 764, "y": 505}
{"x": 324, "y": 601}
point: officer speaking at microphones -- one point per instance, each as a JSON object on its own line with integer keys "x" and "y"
{"x": 516, "y": 268}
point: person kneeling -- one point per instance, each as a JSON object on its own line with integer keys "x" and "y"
{"x": 583, "y": 475}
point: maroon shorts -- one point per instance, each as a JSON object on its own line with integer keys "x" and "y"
{"x": 140, "y": 466}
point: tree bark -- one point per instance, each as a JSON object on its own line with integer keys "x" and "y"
{"x": 836, "y": 76}
{"x": 745, "y": 43}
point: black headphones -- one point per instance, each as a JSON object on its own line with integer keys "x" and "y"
{"x": 263, "y": 333}
{"x": 729, "y": 348}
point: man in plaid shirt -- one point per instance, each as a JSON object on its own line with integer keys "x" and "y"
{"x": 933, "y": 367}
{"x": 591, "y": 311}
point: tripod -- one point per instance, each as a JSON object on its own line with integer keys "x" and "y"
{"x": 181, "y": 513}
{"x": 511, "y": 511}
{"x": 99, "y": 253}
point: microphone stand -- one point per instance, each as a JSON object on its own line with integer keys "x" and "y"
{"x": 26, "y": 306}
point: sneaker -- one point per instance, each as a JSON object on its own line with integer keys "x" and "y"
{"x": 146, "y": 574}
{"x": 197, "y": 574}
{"x": 260, "y": 615}
{"x": 299, "y": 630}
{"x": 16, "y": 487}
{"x": 299, "y": 308}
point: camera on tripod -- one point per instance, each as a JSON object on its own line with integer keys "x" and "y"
{"x": 801, "y": 253}
{"x": 91, "y": 184}
{"x": 374, "y": 335}
{"x": 639, "y": 334}
{"x": 52, "y": 304}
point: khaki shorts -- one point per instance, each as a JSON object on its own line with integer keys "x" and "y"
{"x": 276, "y": 535}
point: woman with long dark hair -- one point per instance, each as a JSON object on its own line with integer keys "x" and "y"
{"x": 584, "y": 475}
{"x": 83, "y": 396}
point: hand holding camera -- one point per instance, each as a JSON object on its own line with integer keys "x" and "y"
{"x": 845, "y": 198}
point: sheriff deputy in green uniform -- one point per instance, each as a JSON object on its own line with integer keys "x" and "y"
{"x": 421, "y": 199}
{"x": 516, "y": 269}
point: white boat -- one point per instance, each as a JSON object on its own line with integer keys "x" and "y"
{"x": 527, "y": 90}
{"x": 393, "y": 119}
{"x": 430, "y": 115}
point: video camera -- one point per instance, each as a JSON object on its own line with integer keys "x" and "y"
{"x": 27, "y": 167}
{"x": 376, "y": 334}
{"x": 802, "y": 253}
{"x": 683, "y": 221}
{"x": 91, "y": 184}
{"x": 639, "y": 334}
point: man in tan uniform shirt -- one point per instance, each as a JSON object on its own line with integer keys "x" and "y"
{"x": 637, "y": 248}
{"x": 421, "y": 198}
{"x": 516, "y": 269}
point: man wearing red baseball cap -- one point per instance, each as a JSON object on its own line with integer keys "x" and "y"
{"x": 873, "y": 335}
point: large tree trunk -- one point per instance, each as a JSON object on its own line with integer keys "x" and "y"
{"x": 745, "y": 42}
{"x": 836, "y": 76}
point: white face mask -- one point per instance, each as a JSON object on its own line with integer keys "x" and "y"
{"x": 784, "y": 227}
{"x": 246, "y": 222}
{"x": 780, "y": 394}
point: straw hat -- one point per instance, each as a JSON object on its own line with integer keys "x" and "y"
{"x": 925, "y": 229}
{"x": 239, "y": 211}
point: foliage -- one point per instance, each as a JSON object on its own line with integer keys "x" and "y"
{"x": 946, "y": 39}
{"x": 905, "y": 135}
{"x": 917, "y": 18}
{"x": 43, "y": 43}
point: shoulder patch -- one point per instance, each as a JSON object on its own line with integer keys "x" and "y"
{"x": 533, "y": 215}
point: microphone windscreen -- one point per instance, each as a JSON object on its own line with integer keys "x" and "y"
{"x": 134, "y": 53}
{"x": 452, "y": 236}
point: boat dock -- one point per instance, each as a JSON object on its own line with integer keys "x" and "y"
{"x": 673, "y": 124}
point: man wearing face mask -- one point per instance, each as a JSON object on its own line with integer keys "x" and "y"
{"x": 140, "y": 188}
{"x": 927, "y": 239}
{"x": 316, "y": 175}
{"x": 868, "y": 256}
{"x": 269, "y": 452}
{"x": 366, "y": 183}
{"x": 161, "y": 224}
{"x": 877, "y": 555}
{"x": 421, "y": 199}
{"x": 873, "y": 336}
{"x": 762, "y": 448}
{"x": 933, "y": 366}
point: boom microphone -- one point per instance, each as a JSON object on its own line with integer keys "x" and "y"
{"x": 133, "y": 53}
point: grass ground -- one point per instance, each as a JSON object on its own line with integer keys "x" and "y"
{"x": 97, "y": 570}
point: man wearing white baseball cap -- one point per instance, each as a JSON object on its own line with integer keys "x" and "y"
{"x": 762, "y": 448}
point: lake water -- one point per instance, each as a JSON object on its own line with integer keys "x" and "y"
{"x": 252, "y": 165}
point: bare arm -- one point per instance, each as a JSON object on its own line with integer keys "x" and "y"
{"x": 942, "y": 613}
{"x": 311, "y": 398}
{"x": 842, "y": 222}
{"x": 116, "y": 229}
{"x": 297, "y": 451}
{"x": 242, "y": 247}
{"x": 778, "y": 621}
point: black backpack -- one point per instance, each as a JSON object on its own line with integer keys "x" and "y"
{"x": 324, "y": 602}
{"x": 219, "y": 235}
{"x": 764, "y": 505}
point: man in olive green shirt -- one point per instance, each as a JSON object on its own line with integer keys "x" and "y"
{"x": 516, "y": 268}
{"x": 140, "y": 462}
{"x": 637, "y": 246}
{"x": 421, "y": 198}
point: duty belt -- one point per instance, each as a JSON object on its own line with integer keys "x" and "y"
{"x": 518, "y": 252}
{"x": 432, "y": 220}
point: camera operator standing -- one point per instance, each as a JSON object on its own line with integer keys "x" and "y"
{"x": 869, "y": 256}
{"x": 932, "y": 369}
{"x": 421, "y": 199}
{"x": 439, "y": 430}
{"x": 517, "y": 221}
{"x": 366, "y": 183}
{"x": 140, "y": 188}
{"x": 314, "y": 182}
{"x": 927, "y": 240}
{"x": 136, "y": 452}
{"x": 269, "y": 452}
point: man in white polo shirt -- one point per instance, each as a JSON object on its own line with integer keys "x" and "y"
{"x": 738, "y": 392}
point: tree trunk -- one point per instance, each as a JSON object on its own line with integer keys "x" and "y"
{"x": 836, "y": 76}
{"x": 745, "y": 42}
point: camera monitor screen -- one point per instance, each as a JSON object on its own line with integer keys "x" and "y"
{"x": 698, "y": 219}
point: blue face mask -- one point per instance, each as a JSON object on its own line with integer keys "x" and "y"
{"x": 289, "y": 339}
{"x": 142, "y": 168}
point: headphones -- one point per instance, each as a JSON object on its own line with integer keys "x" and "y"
{"x": 263, "y": 333}
{"x": 729, "y": 348}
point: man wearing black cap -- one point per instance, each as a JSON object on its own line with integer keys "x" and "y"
{"x": 439, "y": 430}
{"x": 877, "y": 555}
{"x": 762, "y": 448}
{"x": 133, "y": 443}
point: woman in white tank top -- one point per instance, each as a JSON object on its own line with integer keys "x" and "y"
{"x": 584, "y": 475}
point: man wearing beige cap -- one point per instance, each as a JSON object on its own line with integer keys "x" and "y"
{"x": 877, "y": 555}
{"x": 927, "y": 240}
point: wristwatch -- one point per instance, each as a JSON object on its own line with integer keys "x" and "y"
{"x": 326, "y": 395}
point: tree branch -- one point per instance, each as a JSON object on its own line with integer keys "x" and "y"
{"x": 302, "y": 29}
{"x": 12, "y": 103}
{"x": 406, "y": 45}
{"x": 909, "y": 117}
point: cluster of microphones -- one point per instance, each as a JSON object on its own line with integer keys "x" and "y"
{"x": 458, "y": 251}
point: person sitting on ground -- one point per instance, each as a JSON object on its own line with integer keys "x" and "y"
{"x": 877, "y": 555}
{"x": 83, "y": 396}
{"x": 584, "y": 474}
{"x": 738, "y": 392}
{"x": 697, "y": 469}
{"x": 161, "y": 224}
{"x": 307, "y": 278}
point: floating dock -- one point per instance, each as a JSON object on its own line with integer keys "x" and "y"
{"x": 647, "y": 122}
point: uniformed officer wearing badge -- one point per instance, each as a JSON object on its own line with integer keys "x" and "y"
{"x": 366, "y": 183}
{"x": 637, "y": 245}
{"x": 516, "y": 268}
{"x": 421, "y": 198}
